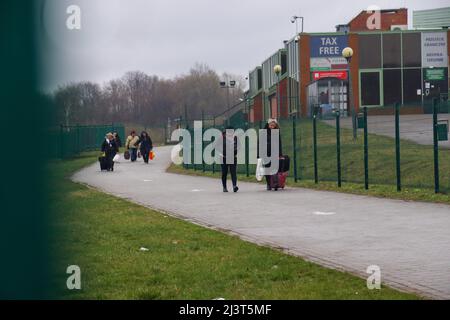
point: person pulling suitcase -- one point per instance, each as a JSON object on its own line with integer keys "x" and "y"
{"x": 273, "y": 181}
{"x": 109, "y": 149}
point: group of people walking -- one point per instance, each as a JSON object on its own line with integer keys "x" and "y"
{"x": 139, "y": 146}
{"x": 231, "y": 142}
{"x": 135, "y": 146}
{"x": 142, "y": 145}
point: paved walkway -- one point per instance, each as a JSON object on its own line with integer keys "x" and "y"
{"x": 409, "y": 241}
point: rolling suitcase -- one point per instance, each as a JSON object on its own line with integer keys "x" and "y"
{"x": 278, "y": 181}
{"x": 103, "y": 163}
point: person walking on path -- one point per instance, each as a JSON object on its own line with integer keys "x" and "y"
{"x": 272, "y": 124}
{"x": 117, "y": 139}
{"x": 145, "y": 146}
{"x": 109, "y": 149}
{"x": 132, "y": 145}
{"x": 229, "y": 141}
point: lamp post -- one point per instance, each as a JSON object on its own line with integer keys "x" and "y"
{"x": 347, "y": 53}
{"x": 230, "y": 85}
{"x": 277, "y": 69}
{"x": 294, "y": 20}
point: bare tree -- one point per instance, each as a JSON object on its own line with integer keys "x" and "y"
{"x": 142, "y": 99}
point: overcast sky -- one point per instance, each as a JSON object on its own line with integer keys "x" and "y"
{"x": 167, "y": 37}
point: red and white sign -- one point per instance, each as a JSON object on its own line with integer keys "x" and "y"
{"x": 329, "y": 74}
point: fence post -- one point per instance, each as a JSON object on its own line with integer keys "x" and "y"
{"x": 294, "y": 145}
{"x": 214, "y": 150}
{"x": 397, "y": 147}
{"x": 247, "y": 156}
{"x": 203, "y": 144}
{"x": 366, "y": 151}
{"x": 435, "y": 146}
{"x": 193, "y": 150}
{"x": 78, "y": 139}
{"x": 316, "y": 173}
{"x": 338, "y": 147}
{"x": 165, "y": 135}
{"x": 61, "y": 141}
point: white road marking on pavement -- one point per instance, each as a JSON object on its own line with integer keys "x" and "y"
{"x": 148, "y": 180}
{"x": 197, "y": 190}
{"x": 319, "y": 213}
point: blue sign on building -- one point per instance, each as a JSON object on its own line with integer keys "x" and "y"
{"x": 328, "y": 46}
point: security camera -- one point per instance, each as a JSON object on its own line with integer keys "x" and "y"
{"x": 293, "y": 19}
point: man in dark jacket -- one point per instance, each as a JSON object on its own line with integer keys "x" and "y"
{"x": 229, "y": 141}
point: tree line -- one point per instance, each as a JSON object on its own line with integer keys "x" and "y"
{"x": 139, "y": 98}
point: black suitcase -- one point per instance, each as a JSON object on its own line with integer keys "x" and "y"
{"x": 103, "y": 163}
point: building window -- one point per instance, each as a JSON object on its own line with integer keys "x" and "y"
{"x": 292, "y": 53}
{"x": 391, "y": 50}
{"x": 369, "y": 51}
{"x": 259, "y": 79}
{"x": 283, "y": 63}
{"x": 412, "y": 50}
{"x": 370, "y": 88}
{"x": 412, "y": 82}
{"x": 392, "y": 86}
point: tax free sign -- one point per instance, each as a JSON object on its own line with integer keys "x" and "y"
{"x": 328, "y": 46}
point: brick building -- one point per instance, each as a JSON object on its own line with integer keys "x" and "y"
{"x": 391, "y": 65}
{"x": 389, "y": 19}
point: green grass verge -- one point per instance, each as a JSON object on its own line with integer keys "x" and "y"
{"x": 103, "y": 234}
{"x": 417, "y": 164}
{"x": 381, "y": 191}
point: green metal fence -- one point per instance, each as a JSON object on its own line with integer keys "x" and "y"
{"x": 392, "y": 148}
{"x": 68, "y": 141}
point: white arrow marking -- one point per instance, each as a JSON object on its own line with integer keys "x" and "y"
{"x": 319, "y": 213}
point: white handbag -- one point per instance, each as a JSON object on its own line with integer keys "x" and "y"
{"x": 259, "y": 170}
{"x": 116, "y": 158}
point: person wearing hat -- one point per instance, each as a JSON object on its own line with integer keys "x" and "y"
{"x": 109, "y": 149}
{"x": 272, "y": 124}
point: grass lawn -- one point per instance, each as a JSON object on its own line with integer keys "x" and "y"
{"x": 103, "y": 234}
{"x": 417, "y": 166}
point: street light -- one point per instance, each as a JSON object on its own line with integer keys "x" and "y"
{"x": 347, "y": 53}
{"x": 231, "y": 84}
{"x": 277, "y": 69}
{"x": 294, "y": 20}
